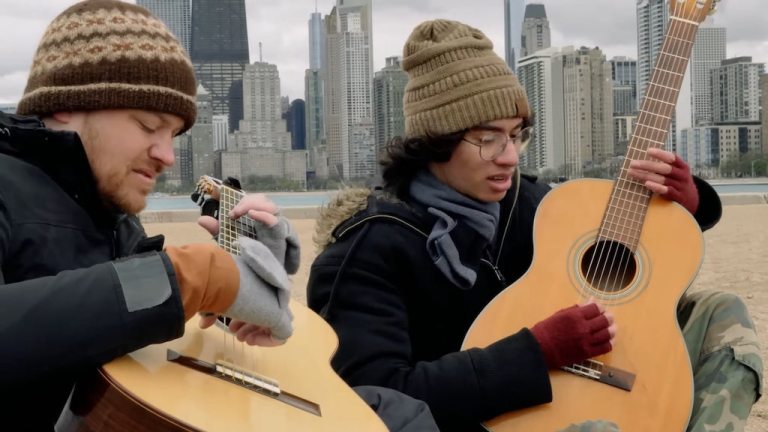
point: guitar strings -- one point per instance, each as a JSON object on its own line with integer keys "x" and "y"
{"x": 665, "y": 58}
{"x": 659, "y": 92}
{"x": 229, "y": 231}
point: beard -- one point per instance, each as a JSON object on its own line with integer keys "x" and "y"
{"x": 112, "y": 176}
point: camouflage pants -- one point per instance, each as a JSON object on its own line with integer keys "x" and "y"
{"x": 725, "y": 355}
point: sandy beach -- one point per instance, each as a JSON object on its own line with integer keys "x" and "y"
{"x": 736, "y": 260}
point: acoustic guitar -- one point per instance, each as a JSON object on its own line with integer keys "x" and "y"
{"x": 206, "y": 380}
{"x": 634, "y": 253}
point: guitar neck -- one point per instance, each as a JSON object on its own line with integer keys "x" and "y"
{"x": 629, "y": 200}
{"x": 230, "y": 230}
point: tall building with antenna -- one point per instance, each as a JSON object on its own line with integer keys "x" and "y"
{"x": 219, "y": 51}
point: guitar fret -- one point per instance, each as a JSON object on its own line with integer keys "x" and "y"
{"x": 675, "y": 56}
{"x": 657, "y": 115}
{"x": 662, "y": 86}
{"x": 659, "y": 100}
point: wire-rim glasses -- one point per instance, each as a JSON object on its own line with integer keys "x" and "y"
{"x": 492, "y": 144}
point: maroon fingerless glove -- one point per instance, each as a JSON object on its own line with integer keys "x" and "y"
{"x": 573, "y": 335}
{"x": 682, "y": 189}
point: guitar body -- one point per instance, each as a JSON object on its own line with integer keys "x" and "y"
{"x": 649, "y": 342}
{"x": 144, "y": 391}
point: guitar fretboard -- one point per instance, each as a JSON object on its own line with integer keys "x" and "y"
{"x": 230, "y": 230}
{"x": 628, "y": 205}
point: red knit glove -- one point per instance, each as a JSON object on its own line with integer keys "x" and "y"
{"x": 573, "y": 335}
{"x": 681, "y": 188}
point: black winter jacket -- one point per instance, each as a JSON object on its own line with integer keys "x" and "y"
{"x": 66, "y": 304}
{"x": 401, "y": 323}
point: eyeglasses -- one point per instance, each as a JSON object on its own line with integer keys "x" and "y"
{"x": 492, "y": 144}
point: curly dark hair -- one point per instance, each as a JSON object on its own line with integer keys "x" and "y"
{"x": 404, "y": 157}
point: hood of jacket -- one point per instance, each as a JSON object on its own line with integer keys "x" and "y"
{"x": 341, "y": 207}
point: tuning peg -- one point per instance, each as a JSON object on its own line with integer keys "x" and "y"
{"x": 713, "y": 9}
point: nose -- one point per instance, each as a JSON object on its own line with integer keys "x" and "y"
{"x": 162, "y": 150}
{"x": 509, "y": 157}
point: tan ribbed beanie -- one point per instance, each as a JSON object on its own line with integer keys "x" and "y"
{"x": 106, "y": 54}
{"x": 456, "y": 81}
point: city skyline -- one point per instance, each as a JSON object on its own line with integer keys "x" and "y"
{"x": 282, "y": 29}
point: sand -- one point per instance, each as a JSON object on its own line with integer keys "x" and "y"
{"x": 736, "y": 260}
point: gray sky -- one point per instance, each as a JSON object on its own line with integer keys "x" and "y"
{"x": 281, "y": 25}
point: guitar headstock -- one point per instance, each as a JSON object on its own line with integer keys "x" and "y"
{"x": 692, "y": 10}
{"x": 208, "y": 185}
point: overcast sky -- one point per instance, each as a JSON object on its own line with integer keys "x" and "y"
{"x": 281, "y": 26}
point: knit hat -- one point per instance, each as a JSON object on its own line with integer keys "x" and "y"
{"x": 456, "y": 81}
{"x": 106, "y": 54}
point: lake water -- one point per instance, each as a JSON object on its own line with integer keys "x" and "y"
{"x": 315, "y": 199}
{"x": 283, "y": 200}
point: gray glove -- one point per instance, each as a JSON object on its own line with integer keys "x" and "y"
{"x": 282, "y": 241}
{"x": 265, "y": 289}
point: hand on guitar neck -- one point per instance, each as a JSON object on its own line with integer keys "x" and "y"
{"x": 575, "y": 334}
{"x": 667, "y": 175}
{"x": 259, "y": 309}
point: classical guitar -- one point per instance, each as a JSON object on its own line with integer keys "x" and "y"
{"x": 636, "y": 254}
{"x": 206, "y": 380}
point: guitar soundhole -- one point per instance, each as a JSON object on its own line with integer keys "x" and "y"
{"x": 609, "y": 266}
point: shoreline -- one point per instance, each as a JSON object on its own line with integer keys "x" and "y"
{"x": 311, "y": 212}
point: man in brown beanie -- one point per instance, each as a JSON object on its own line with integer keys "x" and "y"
{"x": 402, "y": 274}
{"x": 80, "y": 282}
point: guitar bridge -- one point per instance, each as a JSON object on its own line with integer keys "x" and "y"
{"x": 598, "y": 371}
{"x": 256, "y": 383}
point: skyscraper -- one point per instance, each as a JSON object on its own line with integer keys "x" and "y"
{"x": 219, "y": 52}
{"x": 297, "y": 124}
{"x": 543, "y": 83}
{"x": 201, "y": 137}
{"x": 514, "y": 11}
{"x": 736, "y": 91}
{"x": 588, "y": 105}
{"x": 176, "y": 14}
{"x": 347, "y": 78}
{"x": 708, "y": 52}
{"x": 313, "y": 95}
{"x": 764, "y": 110}
{"x": 624, "y": 77}
{"x": 535, "y": 32}
{"x": 316, "y": 41}
{"x": 263, "y": 125}
{"x": 388, "y": 90}
{"x": 652, "y": 21}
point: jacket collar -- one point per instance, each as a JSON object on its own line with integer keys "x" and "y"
{"x": 60, "y": 154}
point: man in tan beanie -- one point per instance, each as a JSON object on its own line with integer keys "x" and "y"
{"x": 80, "y": 282}
{"x": 403, "y": 274}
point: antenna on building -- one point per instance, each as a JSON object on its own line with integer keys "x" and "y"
{"x": 260, "y": 54}
{"x": 315, "y": 6}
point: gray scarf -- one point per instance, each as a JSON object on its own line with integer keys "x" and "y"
{"x": 452, "y": 208}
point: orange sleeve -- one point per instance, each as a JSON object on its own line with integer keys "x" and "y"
{"x": 208, "y": 277}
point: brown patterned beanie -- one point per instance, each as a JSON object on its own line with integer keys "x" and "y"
{"x": 456, "y": 81}
{"x": 106, "y": 54}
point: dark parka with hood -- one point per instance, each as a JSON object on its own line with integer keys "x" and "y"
{"x": 69, "y": 299}
{"x": 401, "y": 323}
